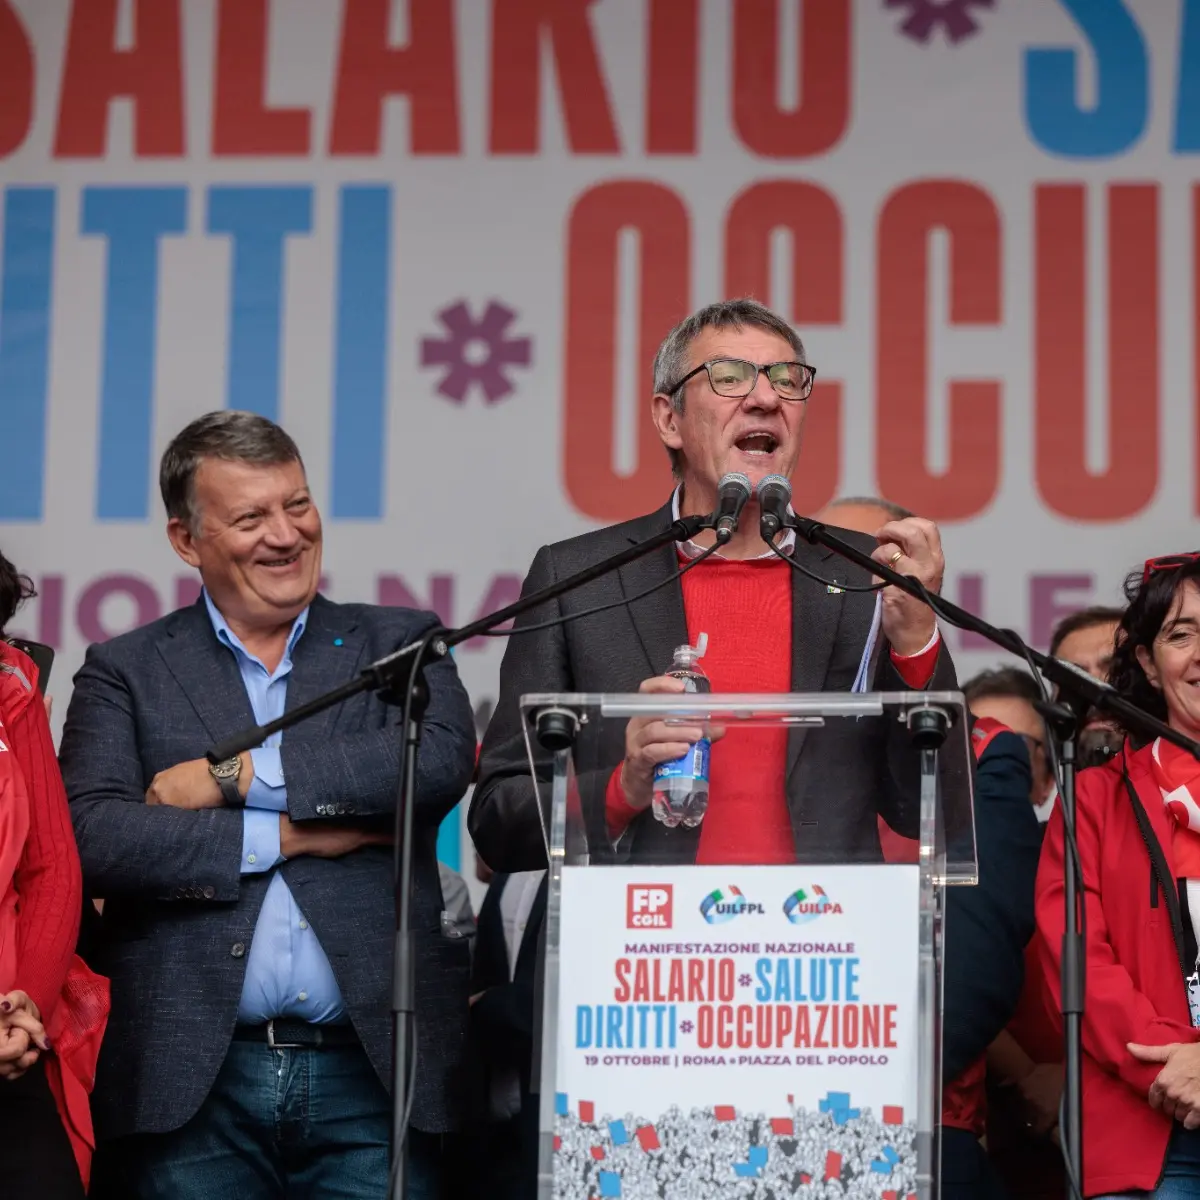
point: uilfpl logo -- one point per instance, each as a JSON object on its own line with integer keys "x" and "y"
{"x": 802, "y": 906}
{"x": 720, "y": 905}
{"x": 649, "y": 906}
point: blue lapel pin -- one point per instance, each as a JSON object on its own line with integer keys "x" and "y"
{"x": 337, "y": 641}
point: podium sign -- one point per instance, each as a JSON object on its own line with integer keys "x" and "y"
{"x": 710, "y": 1023}
{"x": 736, "y": 1023}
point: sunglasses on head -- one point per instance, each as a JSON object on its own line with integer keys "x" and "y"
{"x": 1168, "y": 562}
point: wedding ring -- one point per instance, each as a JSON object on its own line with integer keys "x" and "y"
{"x": 895, "y": 558}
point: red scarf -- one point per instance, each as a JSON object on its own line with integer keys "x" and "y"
{"x": 1177, "y": 775}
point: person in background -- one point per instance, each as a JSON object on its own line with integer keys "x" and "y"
{"x": 248, "y": 923}
{"x": 1024, "y": 1071}
{"x": 1086, "y": 638}
{"x": 503, "y": 1023}
{"x": 52, "y": 1009}
{"x": 1140, "y": 856}
{"x": 1008, "y": 695}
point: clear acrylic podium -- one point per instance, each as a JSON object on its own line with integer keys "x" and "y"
{"x": 715, "y": 1026}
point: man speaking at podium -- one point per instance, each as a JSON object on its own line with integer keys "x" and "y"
{"x": 731, "y": 387}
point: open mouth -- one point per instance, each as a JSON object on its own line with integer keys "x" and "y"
{"x": 757, "y": 443}
{"x": 280, "y": 564}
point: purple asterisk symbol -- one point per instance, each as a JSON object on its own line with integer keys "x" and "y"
{"x": 924, "y": 16}
{"x": 745, "y": 980}
{"x": 476, "y": 351}
{"x": 686, "y": 1027}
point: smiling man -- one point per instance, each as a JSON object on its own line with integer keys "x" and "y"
{"x": 248, "y": 928}
{"x": 731, "y": 390}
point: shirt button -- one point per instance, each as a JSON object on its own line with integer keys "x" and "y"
{"x": 302, "y": 996}
{"x": 303, "y": 924}
{"x": 237, "y": 949}
{"x": 252, "y": 858}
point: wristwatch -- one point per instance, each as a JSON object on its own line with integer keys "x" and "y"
{"x": 226, "y": 774}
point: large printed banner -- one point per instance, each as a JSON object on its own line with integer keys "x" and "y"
{"x": 441, "y": 239}
{"x": 711, "y": 1032}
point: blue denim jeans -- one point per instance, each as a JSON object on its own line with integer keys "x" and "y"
{"x": 1181, "y": 1174}
{"x": 282, "y": 1125}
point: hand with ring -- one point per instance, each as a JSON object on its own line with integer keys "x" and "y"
{"x": 913, "y": 547}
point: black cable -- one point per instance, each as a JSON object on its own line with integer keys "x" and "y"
{"x": 599, "y": 608}
{"x": 829, "y": 583}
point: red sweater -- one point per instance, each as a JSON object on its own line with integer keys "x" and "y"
{"x": 745, "y": 607}
{"x": 48, "y": 878}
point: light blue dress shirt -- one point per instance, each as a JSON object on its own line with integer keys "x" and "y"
{"x": 287, "y": 973}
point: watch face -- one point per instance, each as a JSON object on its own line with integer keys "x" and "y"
{"x": 229, "y": 769}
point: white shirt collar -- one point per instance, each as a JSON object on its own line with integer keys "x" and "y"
{"x": 690, "y": 549}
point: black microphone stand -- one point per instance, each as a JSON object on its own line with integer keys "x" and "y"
{"x": 1086, "y": 693}
{"x": 407, "y": 665}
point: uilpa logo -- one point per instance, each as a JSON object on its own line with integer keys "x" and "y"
{"x": 804, "y": 906}
{"x": 724, "y": 904}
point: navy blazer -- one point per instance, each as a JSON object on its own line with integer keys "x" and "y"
{"x": 179, "y": 916}
{"x": 988, "y": 926}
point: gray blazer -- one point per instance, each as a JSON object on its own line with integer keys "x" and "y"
{"x": 179, "y": 916}
{"x": 838, "y": 776}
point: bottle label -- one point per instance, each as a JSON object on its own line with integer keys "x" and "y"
{"x": 692, "y": 765}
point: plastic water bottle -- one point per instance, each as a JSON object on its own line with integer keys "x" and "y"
{"x": 681, "y": 786}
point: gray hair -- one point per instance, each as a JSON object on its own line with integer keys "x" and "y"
{"x": 671, "y": 361}
{"x": 897, "y": 512}
{"x": 229, "y": 435}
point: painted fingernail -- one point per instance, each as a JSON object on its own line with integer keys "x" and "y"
{"x": 6, "y": 1006}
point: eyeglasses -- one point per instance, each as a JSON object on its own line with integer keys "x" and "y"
{"x": 736, "y": 378}
{"x": 1168, "y": 562}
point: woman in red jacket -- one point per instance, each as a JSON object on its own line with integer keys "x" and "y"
{"x": 1138, "y": 829}
{"x": 52, "y": 1009}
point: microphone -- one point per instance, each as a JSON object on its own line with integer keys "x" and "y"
{"x": 733, "y": 492}
{"x": 774, "y": 499}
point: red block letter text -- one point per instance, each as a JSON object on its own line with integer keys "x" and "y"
{"x": 16, "y": 81}
{"x": 369, "y": 70}
{"x": 819, "y": 119}
{"x": 1066, "y": 482}
{"x": 242, "y": 122}
{"x": 660, "y": 220}
{"x": 969, "y": 218}
{"x": 517, "y": 27}
{"x": 95, "y": 73}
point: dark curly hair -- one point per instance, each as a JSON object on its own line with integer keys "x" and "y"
{"x": 1150, "y": 604}
{"x": 15, "y": 589}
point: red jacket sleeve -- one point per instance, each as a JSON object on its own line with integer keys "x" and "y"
{"x": 48, "y": 877}
{"x": 1117, "y": 1012}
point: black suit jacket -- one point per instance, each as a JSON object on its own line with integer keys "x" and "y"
{"x": 179, "y": 916}
{"x": 838, "y": 775}
{"x": 502, "y": 1019}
